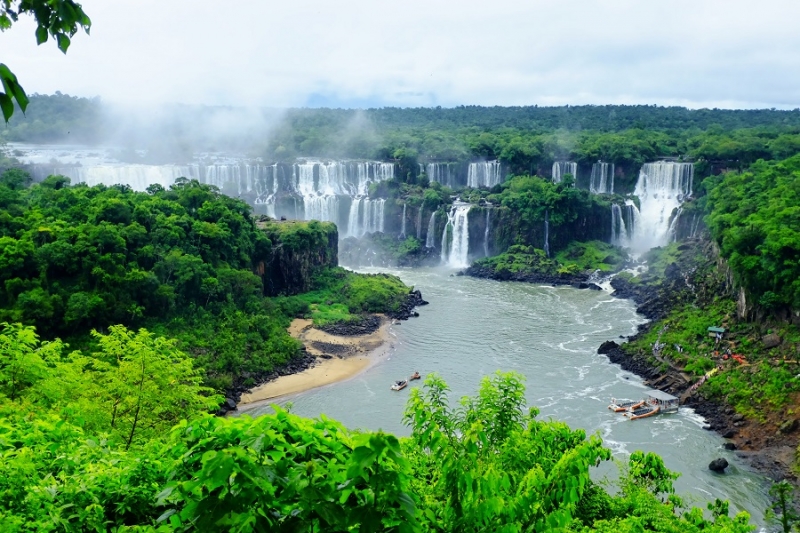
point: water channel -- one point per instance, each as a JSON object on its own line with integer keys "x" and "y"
{"x": 474, "y": 327}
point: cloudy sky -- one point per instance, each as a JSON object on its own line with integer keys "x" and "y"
{"x": 371, "y": 53}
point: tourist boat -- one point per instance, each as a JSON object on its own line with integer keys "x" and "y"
{"x": 414, "y": 376}
{"x": 620, "y": 406}
{"x": 656, "y": 402}
{"x": 400, "y": 385}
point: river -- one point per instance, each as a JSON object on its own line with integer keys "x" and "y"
{"x": 474, "y": 327}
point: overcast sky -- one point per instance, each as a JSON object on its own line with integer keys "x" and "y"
{"x": 372, "y": 53}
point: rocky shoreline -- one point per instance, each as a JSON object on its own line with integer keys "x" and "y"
{"x": 769, "y": 448}
{"x": 305, "y": 360}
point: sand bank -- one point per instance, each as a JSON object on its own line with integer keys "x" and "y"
{"x": 338, "y": 358}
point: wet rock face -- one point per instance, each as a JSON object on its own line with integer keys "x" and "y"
{"x": 407, "y": 308}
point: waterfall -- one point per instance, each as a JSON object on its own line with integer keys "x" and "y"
{"x": 486, "y": 234}
{"x": 673, "y": 224}
{"x": 602, "y": 178}
{"x": 403, "y": 227}
{"x": 562, "y": 168}
{"x": 547, "y": 233}
{"x": 430, "y": 237}
{"x": 457, "y": 220}
{"x": 484, "y": 174}
{"x": 625, "y": 224}
{"x": 366, "y": 216}
{"x": 321, "y": 185}
{"x": 444, "y": 173}
{"x": 619, "y": 231}
{"x": 695, "y": 225}
{"x": 662, "y": 187}
{"x": 419, "y": 222}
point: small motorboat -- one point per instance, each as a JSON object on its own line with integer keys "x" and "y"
{"x": 414, "y": 376}
{"x": 623, "y": 405}
{"x": 399, "y": 385}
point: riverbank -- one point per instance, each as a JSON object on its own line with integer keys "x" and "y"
{"x": 336, "y": 358}
{"x": 766, "y": 438}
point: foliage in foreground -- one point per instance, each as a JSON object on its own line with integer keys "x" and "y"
{"x": 485, "y": 465}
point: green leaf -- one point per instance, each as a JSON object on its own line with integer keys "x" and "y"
{"x": 41, "y": 35}
{"x": 63, "y": 42}
{"x": 7, "y": 105}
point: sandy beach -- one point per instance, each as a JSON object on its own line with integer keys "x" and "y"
{"x": 338, "y": 358}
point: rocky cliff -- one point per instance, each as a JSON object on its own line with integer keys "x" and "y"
{"x": 298, "y": 250}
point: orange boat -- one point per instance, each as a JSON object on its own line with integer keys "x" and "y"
{"x": 414, "y": 376}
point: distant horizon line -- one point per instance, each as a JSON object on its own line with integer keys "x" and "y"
{"x": 103, "y": 100}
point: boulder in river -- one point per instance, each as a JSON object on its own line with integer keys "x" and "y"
{"x": 718, "y": 465}
{"x": 607, "y": 347}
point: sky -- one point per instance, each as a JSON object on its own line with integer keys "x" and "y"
{"x": 411, "y": 53}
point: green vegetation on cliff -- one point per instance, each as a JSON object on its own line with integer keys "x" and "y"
{"x": 188, "y": 263}
{"x": 521, "y": 261}
{"x": 755, "y": 218}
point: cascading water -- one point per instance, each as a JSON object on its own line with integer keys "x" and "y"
{"x": 430, "y": 237}
{"x": 547, "y": 233}
{"x": 366, "y": 216}
{"x": 486, "y": 235}
{"x": 624, "y": 221}
{"x": 419, "y": 223}
{"x": 602, "y": 178}
{"x": 662, "y": 187}
{"x": 322, "y": 183}
{"x": 323, "y": 186}
{"x": 484, "y": 174}
{"x": 403, "y": 227}
{"x": 619, "y": 232}
{"x": 673, "y": 224}
{"x": 562, "y": 168}
{"x": 457, "y": 220}
{"x": 444, "y": 173}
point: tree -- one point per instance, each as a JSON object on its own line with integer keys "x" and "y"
{"x": 149, "y": 384}
{"x": 489, "y": 466}
{"x": 57, "y": 18}
{"x": 22, "y": 358}
{"x": 782, "y": 510}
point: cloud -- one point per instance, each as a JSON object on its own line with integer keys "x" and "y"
{"x": 363, "y": 53}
